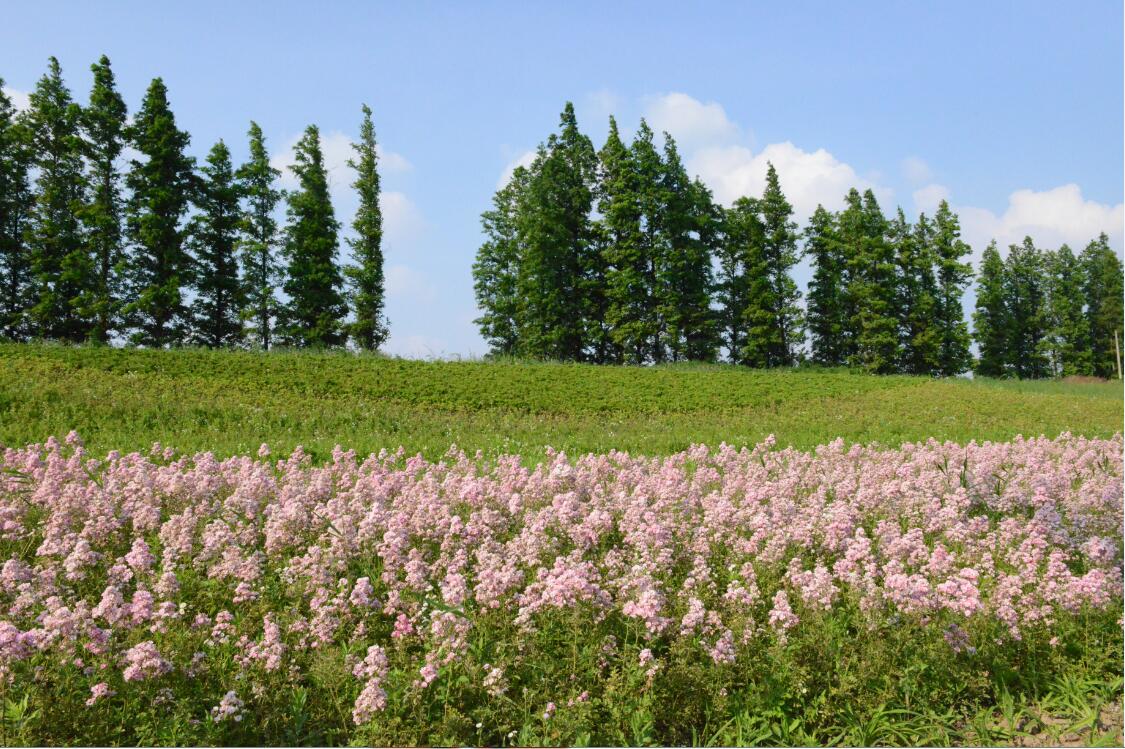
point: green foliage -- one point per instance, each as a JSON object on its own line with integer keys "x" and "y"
{"x": 61, "y": 268}
{"x": 953, "y": 277}
{"x": 104, "y": 125}
{"x": 316, "y": 308}
{"x": 16, "y": 201}
{"x": 1104, "y": 287}
{"x": 162, "y": 183}
{"x": 1068, "y": 337}
{"x": 258, "y": 239}
{"x": 365, "y": 278}
{"x": 220, "y": 295}
{"x": 231, "y": 402}
{"x": 827, "y": 318}
{"x": 991, "y": 318}
{"x": 496, "y": 269}
{"x": 870, "y": 284}
{"x": 919, "y": 336}
{"x": 1025, "y": 291}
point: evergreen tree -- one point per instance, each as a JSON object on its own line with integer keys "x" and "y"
{"x": 953, "y": 276}
{"x": 784, "y": 322}
{"x": 742, "y": 273}
{"x": 1026, "y": 292}
{"x": 1102, "y": 284}
{"x": 497, "y": 267}
{"x": 161, "y": 183}
{"x": 104, "y": 124}
{"x": 220, "y": 296}
{"x": 365, "y": 277}
{"x": 684, "y": 276}
{"x": 649, "y": 170}
{"x": 62, "y": 271}
{"x": 871, "y": 285}
{"x": 920, "y": 338}
{"x": 258, "y": 239}
{"x": 991, "y": 320}
{"x": 627, "y": 290}
{"x": 1068, "y": 334}
{"x": 316, "y": 308}
{"x": 560, "y": 246}
{"x": 16, "y": 202}
{"x": 827, "y": 313}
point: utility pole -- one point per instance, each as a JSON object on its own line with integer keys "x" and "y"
{"x": 1117, "y": 351}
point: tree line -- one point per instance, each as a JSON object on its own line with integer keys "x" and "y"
{"x": 161, "y": 251}
{"x": 618, "y": 256}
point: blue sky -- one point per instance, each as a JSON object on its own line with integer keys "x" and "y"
{"x": 1011, "y": 110}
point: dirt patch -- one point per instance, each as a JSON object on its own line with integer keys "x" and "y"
{"x": 1084, "y": 379}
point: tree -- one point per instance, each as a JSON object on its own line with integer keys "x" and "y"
{"x": 683, "y": 277}
{"x": 104, "y": 124}
{"x": 162, "y": 183}
{"x": 258, "y": 239}
{"x": 953, "y": 277}
{"x": 61, "y": 267}
{"x": 779, "y": 254}
{"x": 220, "y": 296}
{"x": 496, "y": 270}
{"x": 991, "y": 320}
{"x": 919, "y": 337}
{"x": 16, "y": 202}
{"x": 559, "y": 245}
{"x": 1026, "y": 292}
{"x": 740, "y": 263}
{"x": 873, "y": 324}
{"x": 629, "y": 308}
{"x": 1068, "y": 331}
{"x": 316, "y": 308}
{"x": 827, "y": 313}
{"x": 365, "y": 278}
{"x": 1102, "y": 285}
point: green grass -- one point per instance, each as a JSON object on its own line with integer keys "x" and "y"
{"x": 230, "y": 402}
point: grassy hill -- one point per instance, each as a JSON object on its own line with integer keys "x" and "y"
{"x": 230, "y": 402}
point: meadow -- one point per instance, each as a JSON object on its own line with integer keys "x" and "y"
{"x": 866, "y": 561}
{"x": 231, "y": 402}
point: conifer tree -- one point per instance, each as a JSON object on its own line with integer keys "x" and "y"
{"x": 953, "y": 276}
{"x": 742, "y": 273}
{"x": 316, "y": 309}
{"x": 828, "y": 321}
{"x": 104, "y": 124}
{"x": 258, "y": 240}
{"x": 684, "y": 276}
{"x": 991, "y": 320}
{"x": 649, "y": 171}
{"x": 559, "y": 245}
{"x": 1026, "y": 293}
{"x": 220, "y": 295}
{"x": 1068, "y": 333}
{"x": 1102, "y": 284}
{"x": 497, "y": 267}
{"x": 920, "y": 339}
{"x": 161, "y": 183}
{"x": 785, "y": 322}
{"x": 871, "y": 285}
{"x": 62, "y": 271}
{"x": 627, "y": 289}
{"x": 365, "y": 278}
{"x": 16, "y": 202}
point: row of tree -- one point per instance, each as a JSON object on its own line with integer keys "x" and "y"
{"x": 1042, "y": 313}
{"x": 162, "y": 253}
{"x": 618, "y": 256}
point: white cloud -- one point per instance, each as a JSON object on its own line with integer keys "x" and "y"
{"x": 337, "y": 149}
{"x": 416, "y": 347}
{"x": 525, "y": 159}
{"x": 404, "y": 284}
{"x": 808, "y": 178}
{"x": 21, "y": 100}
{"x": 928, "y": 198}
{"x": 1050, "y": 217}
{"x": 691, "y": 122}
{"x": 402, "y": 221}
{"x": 916, "y": 170}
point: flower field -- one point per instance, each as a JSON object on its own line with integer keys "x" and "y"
{"x": 718, "y": 595}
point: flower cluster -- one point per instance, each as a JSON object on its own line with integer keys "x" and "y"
{"x": 132, "y": 565}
